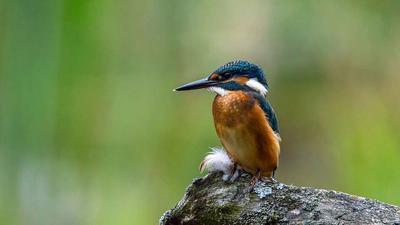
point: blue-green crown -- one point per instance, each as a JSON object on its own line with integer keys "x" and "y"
{"x": 242, "y": 67}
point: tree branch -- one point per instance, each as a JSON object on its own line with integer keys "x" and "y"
{"x": 209, "y": 200}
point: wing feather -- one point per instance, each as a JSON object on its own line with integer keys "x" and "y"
{"x": 269, "y": 112}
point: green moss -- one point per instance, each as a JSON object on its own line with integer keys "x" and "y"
{"x": 220, "y": 214}
{"x": 230, "y": 209}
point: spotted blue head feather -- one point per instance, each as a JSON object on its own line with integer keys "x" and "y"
{"x": 242, "y": 67}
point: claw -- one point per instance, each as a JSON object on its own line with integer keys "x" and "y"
{"x": 273, "y": 180}
{"x": 225, "y": 177}
{"x": 269, "y": 179}
{"x": 235, "y": 175}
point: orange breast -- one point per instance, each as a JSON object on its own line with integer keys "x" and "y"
{"x": 244, "y": 132}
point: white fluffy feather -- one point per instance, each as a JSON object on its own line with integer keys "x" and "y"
{"x": 218, "y": 90}
{"x": 254, "y": 84}
{"x": 278, "y": 137}
{"x": 217, "y": 160}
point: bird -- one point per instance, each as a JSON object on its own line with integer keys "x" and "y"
{"x": 244, "y": 120}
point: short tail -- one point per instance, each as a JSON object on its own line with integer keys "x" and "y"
{"x": 217, "y": 160}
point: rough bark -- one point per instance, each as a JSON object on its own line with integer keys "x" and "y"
{"x": 210, "y": 200}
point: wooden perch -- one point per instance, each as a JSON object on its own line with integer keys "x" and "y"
{"x": 210, "y": 200}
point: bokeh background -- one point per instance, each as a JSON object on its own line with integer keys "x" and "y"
{"x": 91, "y": 132}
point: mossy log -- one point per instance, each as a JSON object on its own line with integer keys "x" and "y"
{"x": 210, "y": 200}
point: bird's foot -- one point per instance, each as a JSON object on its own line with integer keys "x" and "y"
{"x": 225, "y": 177}
{"x": 254, "y": 179}
{"x": 273, "y": 180}
{"x": 270, "y": 179}
{"x": 233, "y": 175}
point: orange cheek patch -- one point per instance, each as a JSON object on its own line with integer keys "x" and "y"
{"x": 241, "y": 80}
{"x": 214, "y": 76}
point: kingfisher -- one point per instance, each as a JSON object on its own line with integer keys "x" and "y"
{"x": 244, "y": 120}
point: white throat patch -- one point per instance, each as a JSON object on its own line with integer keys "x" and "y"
{"x": 257, "y": 86}
{"x": 218, "y": 90}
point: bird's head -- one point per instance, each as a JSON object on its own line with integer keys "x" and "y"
{"x": 233, "y": 76}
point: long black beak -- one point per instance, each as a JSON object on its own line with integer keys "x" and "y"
{"x": 198, "y": 84}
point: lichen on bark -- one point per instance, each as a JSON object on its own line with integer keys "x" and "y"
{"x": 210, "y": 200}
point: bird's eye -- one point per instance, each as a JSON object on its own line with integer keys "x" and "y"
{"x": 227, "y": 75}
{"x": 221, "y": 78}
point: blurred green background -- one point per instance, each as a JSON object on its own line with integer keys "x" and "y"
{"x": 91, "y": 133}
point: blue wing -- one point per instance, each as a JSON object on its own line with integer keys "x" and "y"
{"x": 269, "y": 112}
